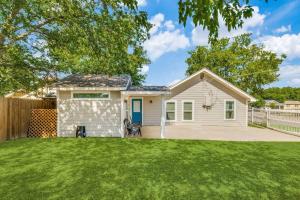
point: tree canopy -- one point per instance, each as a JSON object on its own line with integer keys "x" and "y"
{"x": 281, "y": 94}
{"x": 39, "y": 39}
{"x": 208, "y": 13}
{"x": 240, "y": 62}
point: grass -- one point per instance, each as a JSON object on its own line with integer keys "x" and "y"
{"x": 282, "y": 127}
{"x": 108, "y": 168}
{"x": 288, "y": 128}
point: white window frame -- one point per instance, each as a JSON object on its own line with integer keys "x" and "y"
{"x": 234, "y": 109}
{"x": 175, "y": 118}
{"x": 193, "y": 110}
{"x": 90, "y": 92}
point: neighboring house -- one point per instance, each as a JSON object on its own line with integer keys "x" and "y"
{"x": 273, "y": 104}
{"x": 292, "y": 105}
{"x": 101, "y": 103}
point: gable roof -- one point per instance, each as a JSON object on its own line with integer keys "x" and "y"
{"x": 98, "y": 81}
{"x": 219, "y": 79}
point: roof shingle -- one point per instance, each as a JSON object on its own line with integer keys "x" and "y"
{"x": 94, "y": 81}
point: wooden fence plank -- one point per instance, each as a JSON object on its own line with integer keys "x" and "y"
{"x": 15, "y": 115}
{"x": 3, "y": 118}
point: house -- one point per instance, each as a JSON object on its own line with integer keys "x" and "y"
{"x": 101, "y": 103}
{"x": 273, "y": 104}
{"x": 292, "y": 105}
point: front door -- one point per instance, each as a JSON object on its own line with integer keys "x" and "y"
{"x": 137, "y": 111}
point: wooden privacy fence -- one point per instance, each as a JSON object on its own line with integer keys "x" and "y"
{"x": 287, "y": 121}
{"x": 15, "y": 114}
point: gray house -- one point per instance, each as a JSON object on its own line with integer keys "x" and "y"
{"x": 101, "y": 103}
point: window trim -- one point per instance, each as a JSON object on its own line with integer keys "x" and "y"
{"x": 234, "y": 109}
{"x": 175, "y": 110}
{"x": 90, "y": 92}
{"x": 193, "y": 110}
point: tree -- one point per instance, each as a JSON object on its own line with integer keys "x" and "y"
{"x": 246, "y": 65}
{"x": 40, "y": 39}
{"x": 209, "y": 13}
{"x": 282, "y": 94}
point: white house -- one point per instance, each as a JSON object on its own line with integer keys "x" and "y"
{"x": 101, "y": 103}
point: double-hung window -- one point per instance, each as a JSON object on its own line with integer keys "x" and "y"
{"x": 171, "y": 110}
{"x": 188, "y": 110}
{"x": 230, "y": 109}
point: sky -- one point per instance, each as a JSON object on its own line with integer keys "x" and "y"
{"x": 275, "y": 24}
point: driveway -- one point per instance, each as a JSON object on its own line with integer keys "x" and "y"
{"x": 218, "y": 133}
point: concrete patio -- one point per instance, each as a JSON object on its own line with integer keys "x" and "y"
{"x": 218, "y": 133}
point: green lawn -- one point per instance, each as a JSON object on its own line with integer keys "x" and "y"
{"x": 96, "y": 168}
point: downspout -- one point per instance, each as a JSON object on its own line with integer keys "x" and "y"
{"x": 163, "y": 118}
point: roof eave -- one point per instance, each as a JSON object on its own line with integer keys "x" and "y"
{"x": 91, "y": 88}
{"x": 223, "y": 81}
{"x": 145, "y": 92}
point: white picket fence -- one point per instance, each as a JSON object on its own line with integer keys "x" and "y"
{"x": 287, "y": 121}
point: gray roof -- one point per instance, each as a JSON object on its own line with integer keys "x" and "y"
{"x": 149, "y": 88}
{"x": 271, "y": 101}
{"x": 94, "y": 81}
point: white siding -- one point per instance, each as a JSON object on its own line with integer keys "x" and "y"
{"x": 152, "y": 111}
{"x": 101, "y": 117}
{"x": 197, "y": 90}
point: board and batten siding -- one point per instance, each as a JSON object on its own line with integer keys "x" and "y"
{"x": 102, "y": 118}
{"x": 196, "y": 90}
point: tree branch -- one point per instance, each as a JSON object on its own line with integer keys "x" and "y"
{"x": 35, "y": 28}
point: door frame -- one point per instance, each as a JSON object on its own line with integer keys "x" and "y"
{"x": 142, "y": 110}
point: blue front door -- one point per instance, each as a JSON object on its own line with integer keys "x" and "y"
{"x": 137, "y": 111}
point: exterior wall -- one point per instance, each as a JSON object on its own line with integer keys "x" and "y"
{"x": 196, "y": 90}
{"x": 292, "y": 107}
{"x": 151, "y": 111}
{"x": 101, "y": 117}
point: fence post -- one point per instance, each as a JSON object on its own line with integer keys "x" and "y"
{"x": 252, "y": 115}
{"x": 268, "y": 117}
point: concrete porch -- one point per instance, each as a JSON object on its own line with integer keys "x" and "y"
{"x": 217, "y": 133}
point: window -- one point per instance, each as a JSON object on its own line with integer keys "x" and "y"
{"x": 171, "y": 111}
{"x": 136, "y": 106}
{"x": 188, "y": 108}
{"x": 229, "y": 109}
{"x": 91, "y": 95}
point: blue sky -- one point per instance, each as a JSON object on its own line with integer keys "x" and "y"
{"x": 275, "y": 24}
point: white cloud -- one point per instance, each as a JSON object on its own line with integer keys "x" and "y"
{"x": 290, "y": 74}
{"x": 284, "y": 29}
{"x": 295, "y": 81}
{"x": 156, "y": 22}
{"x": 288, "y": 44}
{"x": 164, "y": 42}
{"x": 141, "y": 3}
{"x": 145, "y": 69}
{"x": 169, "y": 25}
{"x": 164, "y": 38}
{"x": 200, "y": 36}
